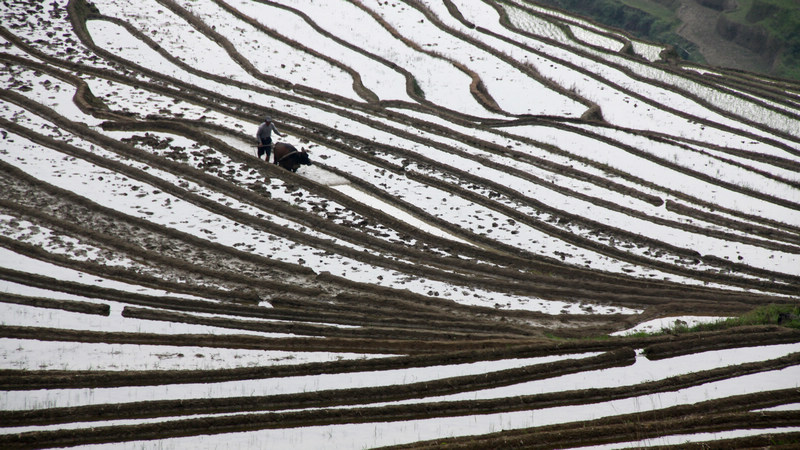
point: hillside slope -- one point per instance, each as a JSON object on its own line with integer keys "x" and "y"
{"x": 761, "y": 36}
{"x": 497, "y": 190}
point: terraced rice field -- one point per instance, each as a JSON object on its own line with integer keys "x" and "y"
{"x": 498, "y": 192}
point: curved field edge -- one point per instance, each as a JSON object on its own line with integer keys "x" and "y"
{"x": 166, "y": 280}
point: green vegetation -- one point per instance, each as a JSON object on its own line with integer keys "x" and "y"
{"x": 750, "y": 7}
{"x": 654, "y": 9}
{"x": 417, "y": 89}
{"x": 784, "y": 315}
{"x": 644, "y": 19}
{"x": 780, "y": 19}
{"x": 773, "y": 24}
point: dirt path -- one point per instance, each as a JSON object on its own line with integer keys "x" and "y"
{"x": 699, "y": 26}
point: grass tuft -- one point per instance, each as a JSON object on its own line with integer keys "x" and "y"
{"x": 417, "y": 89}
{"x": 785, "y": 315}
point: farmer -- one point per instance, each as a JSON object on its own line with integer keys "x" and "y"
{"x": 264, "y": 136}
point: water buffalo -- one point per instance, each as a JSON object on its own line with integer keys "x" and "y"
{"x": 289, "y": 157}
